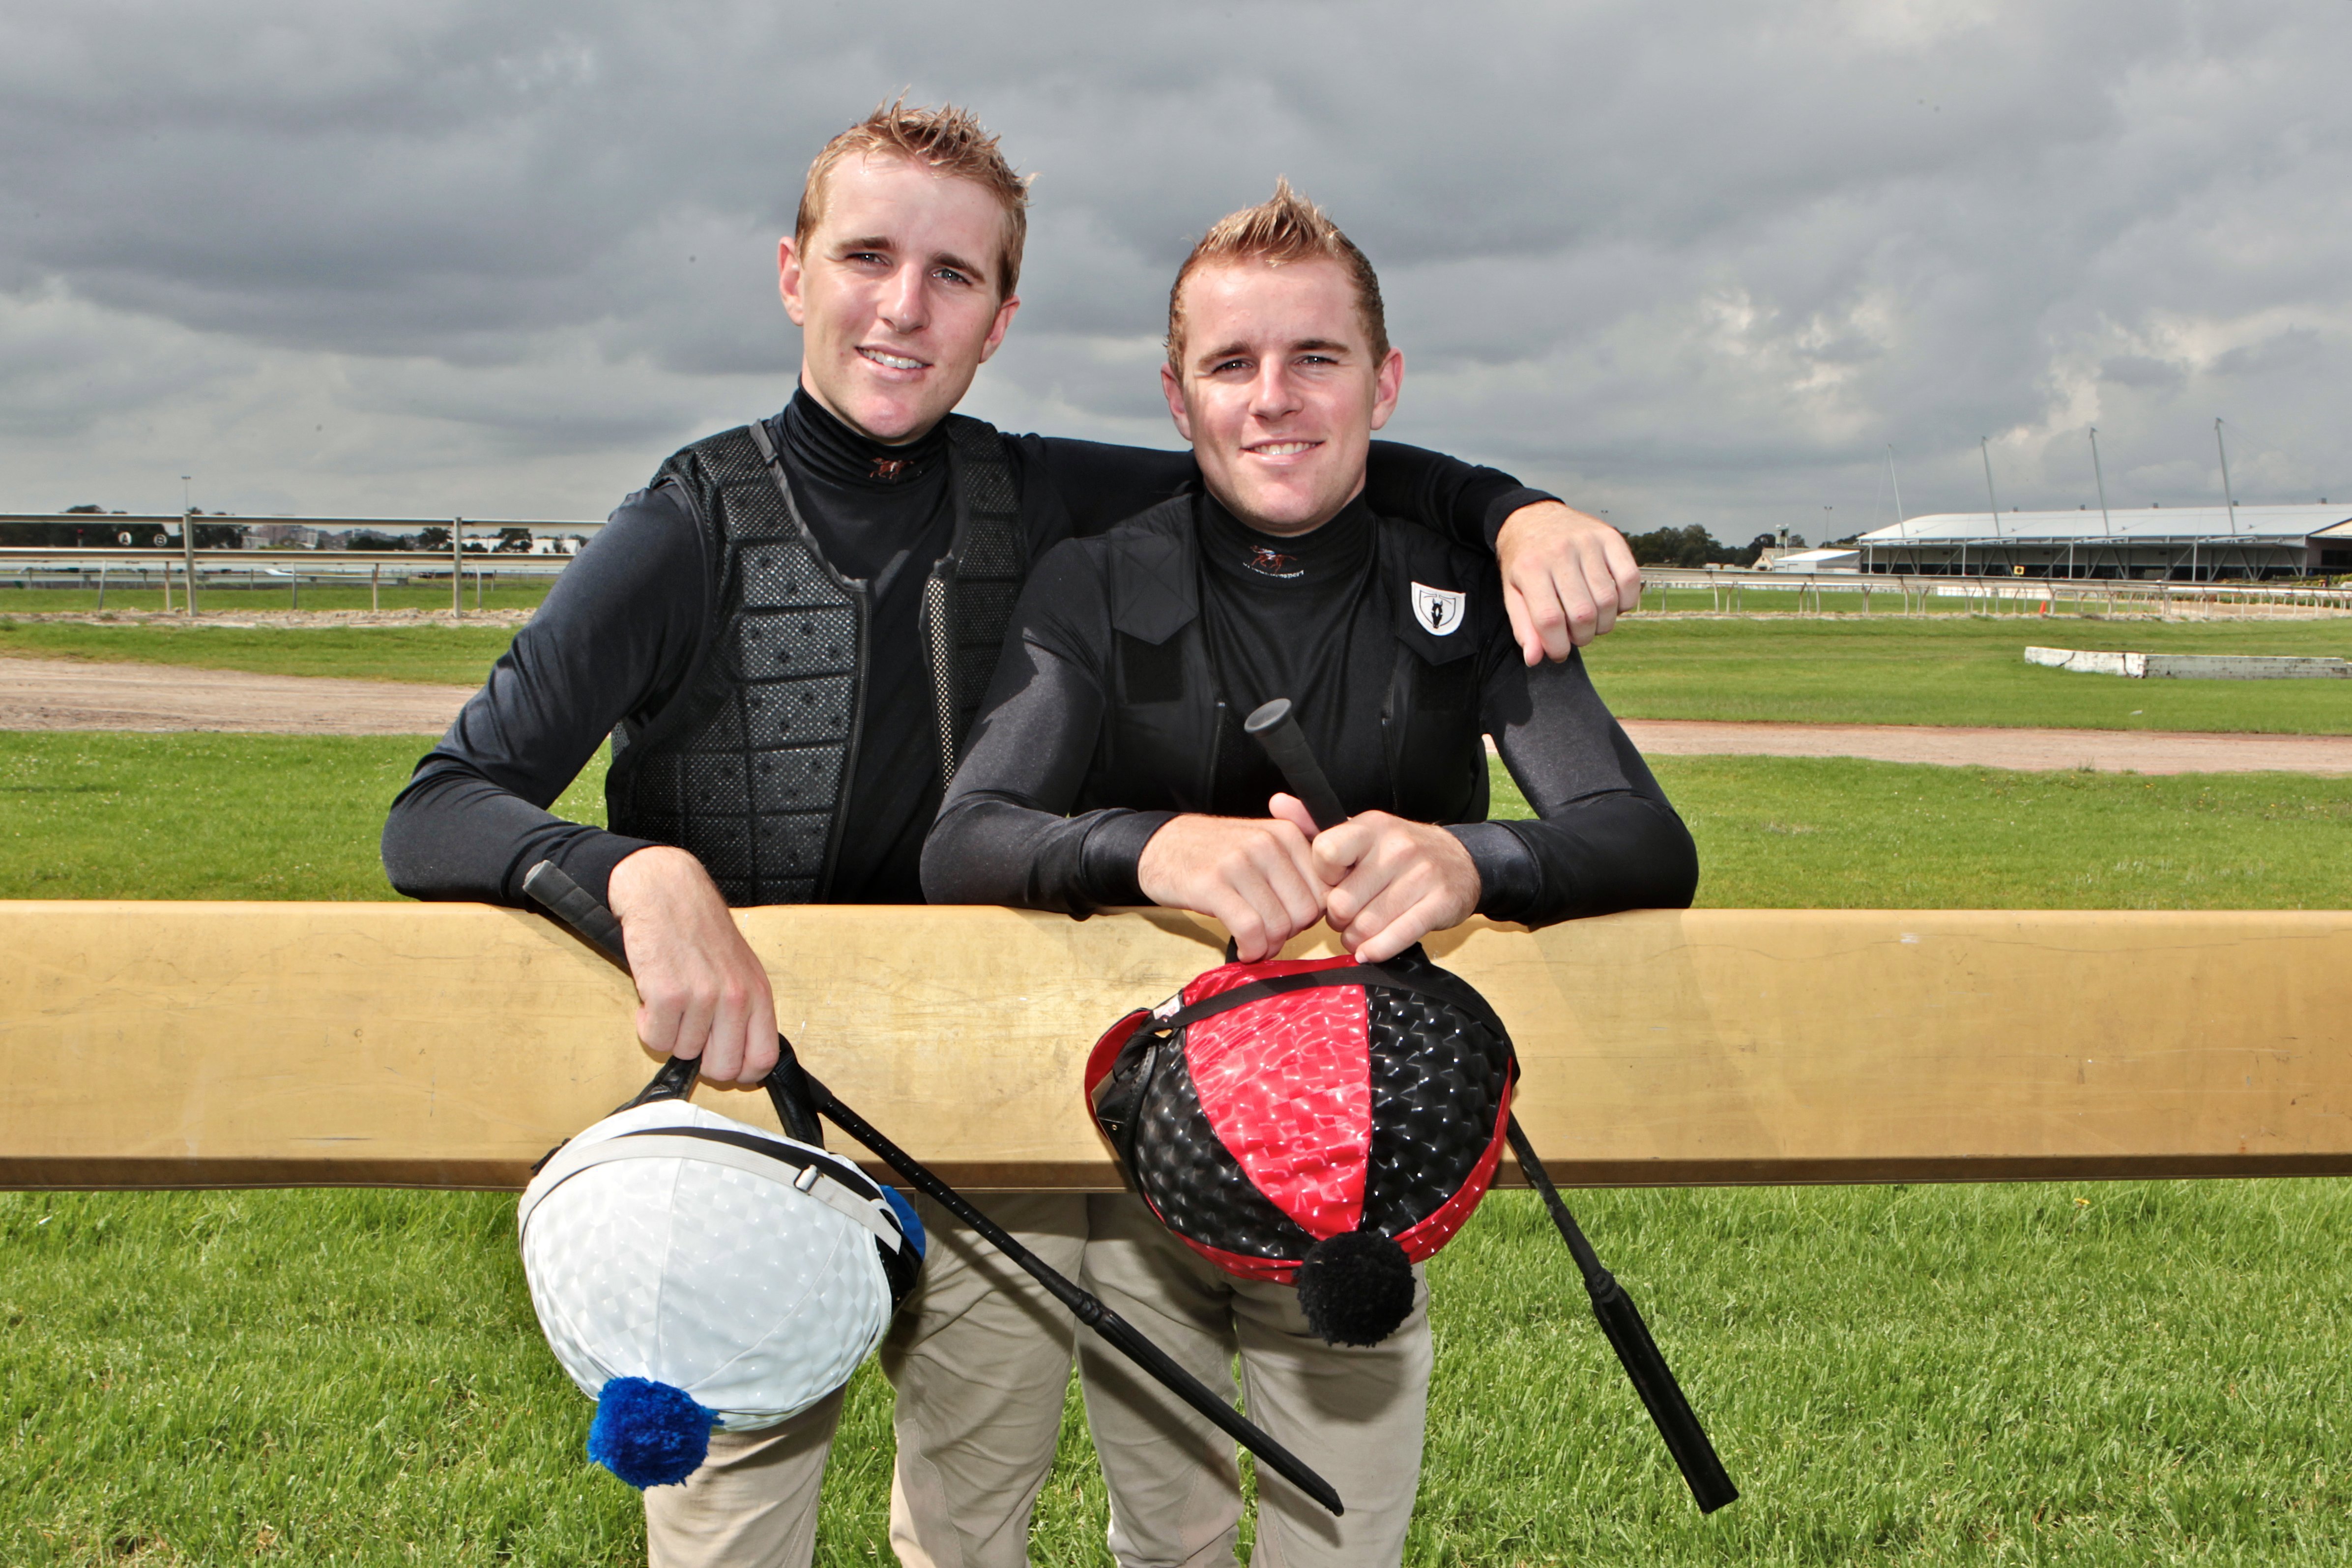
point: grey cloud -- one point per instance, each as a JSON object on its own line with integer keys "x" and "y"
{"x": 1690, "y": 263}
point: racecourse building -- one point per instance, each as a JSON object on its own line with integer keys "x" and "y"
{"x": 2189, "y": 544}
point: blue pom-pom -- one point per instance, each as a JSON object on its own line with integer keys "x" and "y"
{"x": 649, "y": 1434}
{"x": 910, "y": 1224}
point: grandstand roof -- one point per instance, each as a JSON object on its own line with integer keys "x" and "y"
{"x": 2148, "y": 525}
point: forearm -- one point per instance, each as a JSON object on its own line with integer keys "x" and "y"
{"x": 1604, "y": 836}
{"x": 1002, "y": 836}
{"x": 1467, "y": 503}
{"x": 987, "y": 849}
{"x": 453, "y": 834}
{"x": 1618, "y": 851}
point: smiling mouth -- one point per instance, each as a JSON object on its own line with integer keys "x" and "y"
{"x": 891, "y": 362}
{"x": 1281, "y": 449}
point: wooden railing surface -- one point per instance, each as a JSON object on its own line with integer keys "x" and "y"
{"x": 185, "y": 1045}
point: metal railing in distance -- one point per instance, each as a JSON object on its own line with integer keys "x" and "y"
{"x": 1727, "y": 591}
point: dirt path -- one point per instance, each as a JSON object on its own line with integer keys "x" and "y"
{"x": 2105, "y": 751}
{"x": 73, "y": 694}
{"x": 77, "y": 694}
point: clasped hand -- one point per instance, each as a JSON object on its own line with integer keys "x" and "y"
{"x": 1381, "y": 882}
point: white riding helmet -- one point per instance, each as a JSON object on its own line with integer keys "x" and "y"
{"x": 691, "y": 1271}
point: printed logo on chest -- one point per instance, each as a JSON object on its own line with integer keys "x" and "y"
{"x": 1439, "y": 610}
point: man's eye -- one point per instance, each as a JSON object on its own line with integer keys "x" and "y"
{"x": 949, "y": 275}
{"x": 1223, "y": 365}
{"x": 867, "y": 257}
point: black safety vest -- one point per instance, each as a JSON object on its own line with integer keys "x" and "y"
{"x": 1171, "y": 739}
{"x": 750, "y": 767}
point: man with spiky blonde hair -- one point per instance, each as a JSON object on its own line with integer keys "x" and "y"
{"x": 786, "y": 635}
{"x": 1109, "y": 768}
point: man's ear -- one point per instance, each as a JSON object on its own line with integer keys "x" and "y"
{"x": 1005, "y": 314}
{"x": 788, "y": 280}
{"x": 1386, "y": 385}
{"x": 1171, "y": 386}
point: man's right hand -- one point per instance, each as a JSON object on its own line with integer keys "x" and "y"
{"x": 1257, "y": 877}
{"x": 701, "y": 992}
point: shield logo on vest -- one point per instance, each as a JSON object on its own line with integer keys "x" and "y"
{"x": 1439, "y": 610}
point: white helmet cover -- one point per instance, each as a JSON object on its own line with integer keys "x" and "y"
{"x": 750, "y": 1271}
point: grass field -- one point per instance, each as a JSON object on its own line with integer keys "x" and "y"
{"x": 2106, "y": 1374}
{"x": 244, "y": 597}
{"x": 442, "y": 654}
{"x": 1958, "y": 669}
{"x": 175, "y": 816}
{"x": 1948, "y": 670}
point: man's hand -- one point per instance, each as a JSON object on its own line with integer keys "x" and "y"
{"x": 700, "y": 990}
{"x": 1253, "y": 876}
{"x": 1390, "y": 882}
{"x": 1566, "y": 578}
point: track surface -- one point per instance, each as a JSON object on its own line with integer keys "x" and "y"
{"x": 79, "y": 694}
{"x": 74, "y": 694}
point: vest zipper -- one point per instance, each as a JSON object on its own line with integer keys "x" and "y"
{"x": 856, "y": 587}
{"x": 939, "y": 635}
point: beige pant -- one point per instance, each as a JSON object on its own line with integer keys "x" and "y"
{"x": 752, "y": 1502}
{"x": 980, "y": 1356}
{"x": 1354, "y": 1415}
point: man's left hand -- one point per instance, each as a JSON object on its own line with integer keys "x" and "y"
{"x": 1566, "y": 578}
{"x": 1390, "y": 882}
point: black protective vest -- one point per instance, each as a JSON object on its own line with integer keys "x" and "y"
{"x": 750, "y": 767}
{"x": 1172, "y": 741}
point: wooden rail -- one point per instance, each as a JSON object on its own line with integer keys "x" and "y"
{"x": 181, "y": 1045}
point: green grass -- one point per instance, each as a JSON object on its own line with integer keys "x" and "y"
{"x": 1836, "y": 833}
{"x": 96, "y": 815}
{"x": 436, "y": 654}
{"x": 244, "y": 597}
{"x": 283, "y": 817}
{"x": 1958, "y": 669}
{"x": 2128, "y": 1374}
{"x": 2106, "y": 1374}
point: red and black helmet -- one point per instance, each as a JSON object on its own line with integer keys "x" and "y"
{"x": 1319, "y": 1123}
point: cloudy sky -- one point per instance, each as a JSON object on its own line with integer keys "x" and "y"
{"x": 1687, "y": 263}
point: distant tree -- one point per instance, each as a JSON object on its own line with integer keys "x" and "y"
{"x": 369, "y": 539}
{"x": 432, "y": 539}
{"x": 1692, "y": 546}
{"x": 515, "y": 541}
{"x": 99, "y": 511}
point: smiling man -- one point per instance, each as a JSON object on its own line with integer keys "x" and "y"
{"x": 1110, "y": 768}
{"x": 786, "y": 636}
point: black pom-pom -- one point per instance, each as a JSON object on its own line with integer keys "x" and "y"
{"x": 1355, "y": 1288}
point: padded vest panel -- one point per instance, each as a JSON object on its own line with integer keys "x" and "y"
{"x": 749, "y": 770}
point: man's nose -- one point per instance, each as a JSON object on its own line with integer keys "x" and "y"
{"x": 904, "y": 305}
{"x": 1273, "y": 392}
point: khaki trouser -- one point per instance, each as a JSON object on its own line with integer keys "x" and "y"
{"x": 980, "y": 1356}
{"x": 752, "y": 1502}
{"x": 1354, "y": 1415}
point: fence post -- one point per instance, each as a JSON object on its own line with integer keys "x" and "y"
{"x": 375, "y": 585}
{"x": 102, "y": 585}
{"x": 188, "y": 553}
{"x": 457, "y": 568}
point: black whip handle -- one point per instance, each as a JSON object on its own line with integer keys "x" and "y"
{"x": 558, "y": 894}
{"x": 1687, "y": 1441}
{"x": 1275, "y": 727}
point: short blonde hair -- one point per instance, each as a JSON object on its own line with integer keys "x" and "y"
{"x": 947, "y": 139}
{"x": 1284, "y": 228}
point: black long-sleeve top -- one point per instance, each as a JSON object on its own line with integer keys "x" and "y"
{"x": 1309, "y": 618}
{"x": 626, "y": 623}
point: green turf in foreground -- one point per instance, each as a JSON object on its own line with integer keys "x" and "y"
{"x": 2143, "y": 1373}
{"x": 1958, "y": 669}
{"x": 2131, "y": 1373}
